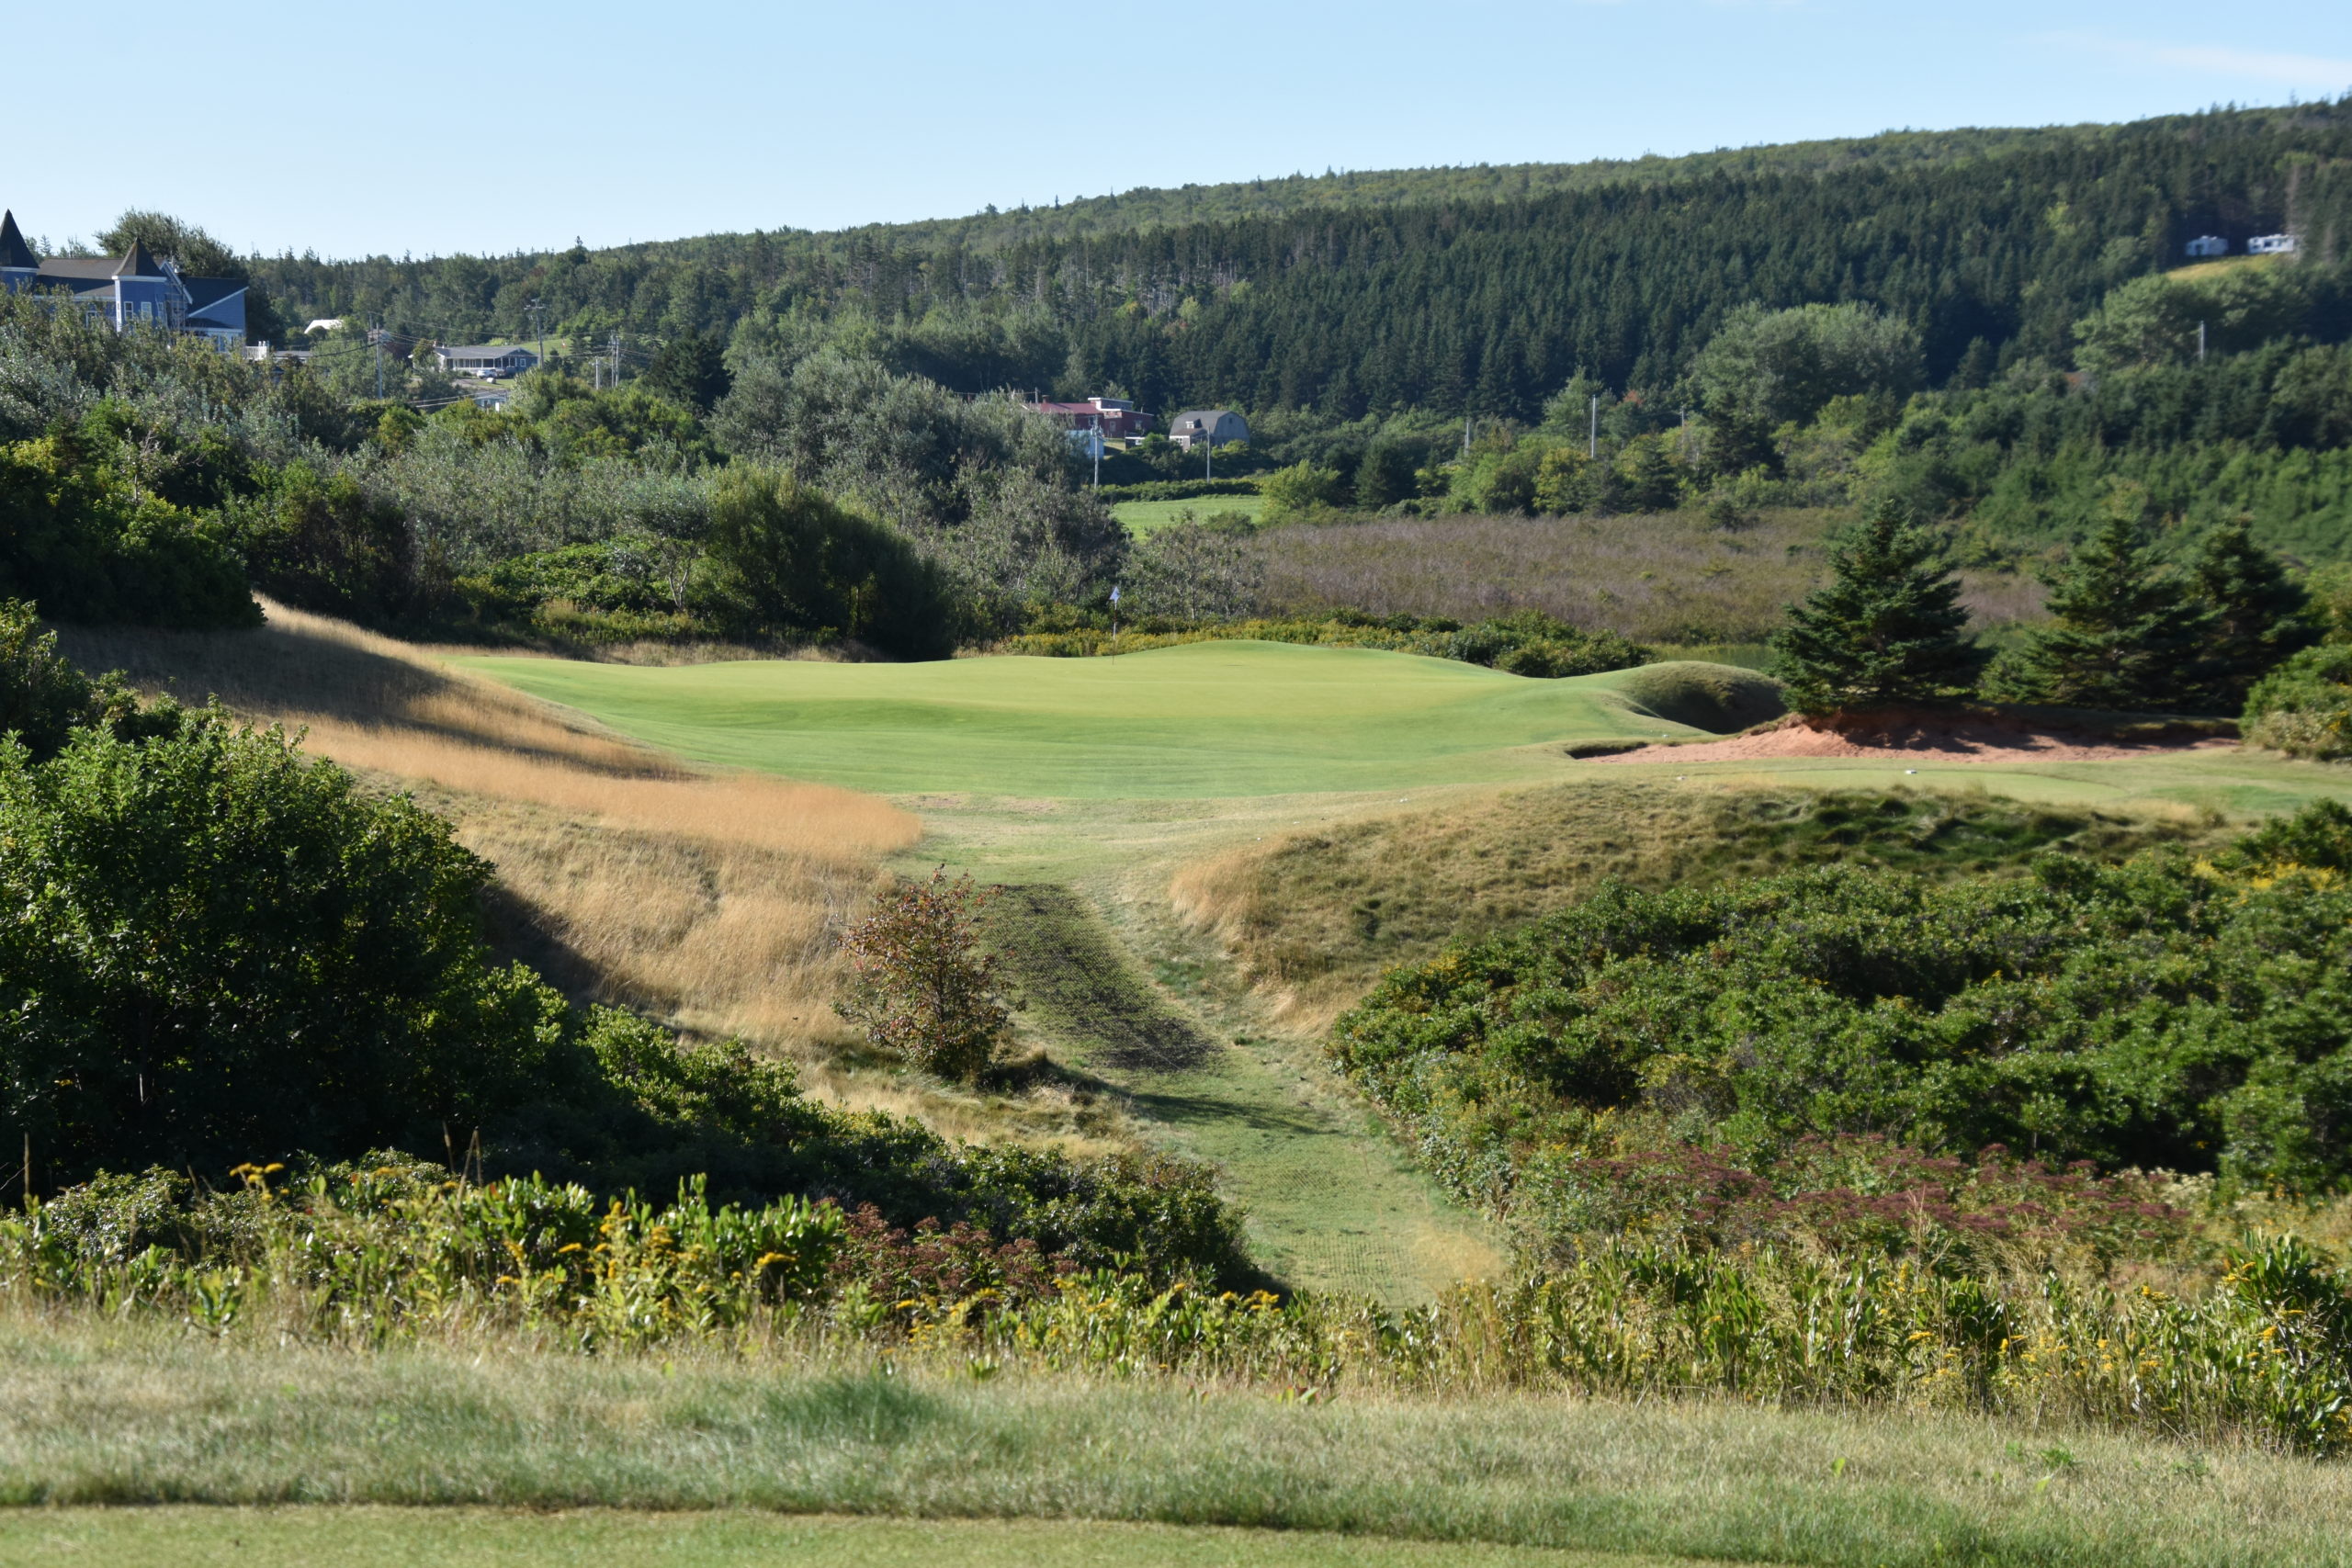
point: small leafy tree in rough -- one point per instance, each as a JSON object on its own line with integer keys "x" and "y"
{"x": 2125, "y": 631}
{"x": 924, "y": 985}
{"x": 1887, "y": 631}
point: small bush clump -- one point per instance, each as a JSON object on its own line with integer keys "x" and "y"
{"x": 2304, "y": 707}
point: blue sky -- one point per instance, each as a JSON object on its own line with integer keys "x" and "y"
{"x": 438, "y": 125}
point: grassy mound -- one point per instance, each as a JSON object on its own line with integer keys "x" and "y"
{"x": 1201, "y": 720}
{"x": 1721, "y": 698}
{"x": 1321, "y": 914}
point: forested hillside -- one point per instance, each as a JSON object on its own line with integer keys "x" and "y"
{"x": 1478, "y": 290}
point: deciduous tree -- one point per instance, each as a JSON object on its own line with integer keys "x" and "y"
{"x": 924, "y": 985}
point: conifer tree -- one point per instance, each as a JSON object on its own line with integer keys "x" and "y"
{"x": 2258, "y": 616}
{"x": 2125, "y": 630}
{"x": 1888, "y": 631}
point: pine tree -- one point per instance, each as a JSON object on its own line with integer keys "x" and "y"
{"x": 2257, "y": 616}
{"x": 2125, "y": 629}
{"x": 1888, "y": 631}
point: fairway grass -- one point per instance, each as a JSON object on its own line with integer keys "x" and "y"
{"x": 329, "y": 1536}
{"x": 1204, "y": 720}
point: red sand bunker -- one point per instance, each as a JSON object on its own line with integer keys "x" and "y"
{"x": 1899, "y": 737}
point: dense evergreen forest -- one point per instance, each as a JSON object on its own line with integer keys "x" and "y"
{"x": 1471, "y": 291}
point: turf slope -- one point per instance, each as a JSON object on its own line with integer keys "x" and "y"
{"x": 1204, "y": 720}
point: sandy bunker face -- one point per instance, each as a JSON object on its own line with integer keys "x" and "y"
{"x": 1959, "y": 740}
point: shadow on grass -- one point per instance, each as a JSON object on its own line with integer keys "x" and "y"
{"x": 1069, "y": 974}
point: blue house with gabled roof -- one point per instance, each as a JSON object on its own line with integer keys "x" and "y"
{"x": 129, "y": 289}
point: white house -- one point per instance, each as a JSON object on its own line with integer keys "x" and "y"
{"x": 487, "y": 360}
{"x": 2270, "y": 246}
{"x": 2207, "y": 245}
{"x": 1218, "y": 427}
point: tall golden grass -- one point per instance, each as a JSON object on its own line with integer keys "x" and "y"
{"x": 712, "y": 900}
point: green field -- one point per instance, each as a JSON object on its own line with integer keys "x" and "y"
{"x": 1144, "y": 517}
{"x": 1204, "y": 720}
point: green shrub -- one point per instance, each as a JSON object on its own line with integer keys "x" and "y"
{"x": 322, "y": 543}
{"x": 1302, "y": 493}
{"x": 86, "y": 543}
{"x": 221, "y": 948}
{"x": 2257, "y": 1350}
{"x": 2154, "y": 1014}
{"x": 1529, "y": 642}
{"x": 2304, "y": 707}
{"x": 788, "y": 560}
{"x": 1174, "y": 489}
{"x": 44, "y": 699}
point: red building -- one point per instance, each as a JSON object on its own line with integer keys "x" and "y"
{"x": 1116, "y": 418}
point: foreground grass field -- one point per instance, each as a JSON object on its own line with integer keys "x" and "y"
{"x": 114, "y": 1415}
{"x": 365, "y": 1537}
{"x": 1204, "y": 720}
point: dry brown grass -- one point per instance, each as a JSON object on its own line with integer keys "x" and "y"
{"x": 710, "y": 899}
{"x": 1670, "y": 577}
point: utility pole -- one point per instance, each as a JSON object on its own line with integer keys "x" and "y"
{"x": 539, "y": 329}
{"x": 1098, "y": 451}
{"x": 1209, "y": 455}
{"x": 615, "y": 347}
{"x": 1592, "y": 446}
{"x": 376, "y": 339}
{"x": 2200, "y": 342}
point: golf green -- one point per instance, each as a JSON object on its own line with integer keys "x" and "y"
{"x": 1205, "y": 719}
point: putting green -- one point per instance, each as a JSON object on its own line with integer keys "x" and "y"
{"x": 1203, "y": 720}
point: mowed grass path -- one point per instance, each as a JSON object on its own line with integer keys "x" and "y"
{"x": 1200, "y": 721}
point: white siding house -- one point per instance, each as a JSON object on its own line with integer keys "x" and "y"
{"x": 489, "y": 360}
